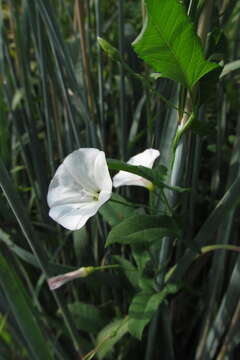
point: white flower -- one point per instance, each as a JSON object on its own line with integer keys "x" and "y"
{"x": 145, "y": 158}
{"x": 80, "y": 186}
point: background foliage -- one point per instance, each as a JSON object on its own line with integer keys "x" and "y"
{"x": 60, "y": 91}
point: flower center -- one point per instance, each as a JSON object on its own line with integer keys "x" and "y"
{"x": 96, "y": 195}
{"x": 88, "y": 196}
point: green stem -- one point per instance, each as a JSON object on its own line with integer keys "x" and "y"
{"x": 165, "y": 200}
{"x": 135, "y": 205}
{"x": 104, "y": 267}
{"x": 182, "y": 130}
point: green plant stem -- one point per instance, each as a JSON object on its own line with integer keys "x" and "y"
{"x": 165, "y": 200}
{"x": 80, "y": 16}
{"x": 182, "y": 130}
{"x": 105, "y": 267}
{"x": 100, "y": 71}
{"x": 122, "y": 98}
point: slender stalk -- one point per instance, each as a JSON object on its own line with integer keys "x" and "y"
{"x": 80, "y": 16}
{"x": 63, "y": 67}
{"x": 46, "y": 100}
{"x": 100, "y": 71}
{"x": 234, "y": 326}
{"x": 204, "y": 20}
{"x": 122, "y": 108}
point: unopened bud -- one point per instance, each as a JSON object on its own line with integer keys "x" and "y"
{"x": 57, "y": 281}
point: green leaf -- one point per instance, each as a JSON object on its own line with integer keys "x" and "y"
{"x": 143, "y": 307}
{"x": 169, "y": 44}
{"x": 156, "y": 175}
{"x": 129, "y": 270}
{"x": 138, "y": 318}
{"x": 114, "y": 212}
{"x": 142, "y": 228}
{"x": 87, "y": 317}
{"x": 138, "y": 170}
{"x": 147, "y": 284}
{"x": 110, "y": 335}
{"x": 141, "y": 256}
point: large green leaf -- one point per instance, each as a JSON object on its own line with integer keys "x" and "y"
{"x": 169, "y": 44}
{"x": 141, "y": 229}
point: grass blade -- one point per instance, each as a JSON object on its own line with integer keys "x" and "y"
{"x": 20, "y": 306}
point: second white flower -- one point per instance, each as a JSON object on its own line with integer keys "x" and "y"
{"x": 145, "y": 158}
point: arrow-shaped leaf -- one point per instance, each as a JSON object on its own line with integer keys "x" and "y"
{"x": 142, "y": 229}
{"x": 169, "y": 44}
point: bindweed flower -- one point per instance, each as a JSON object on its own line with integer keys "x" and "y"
{"x": 57, "y": 281}
{"x": 80, "y": 186}
{"x": 145, "y": 158}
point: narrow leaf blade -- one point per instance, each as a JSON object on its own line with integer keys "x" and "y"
{"x": 23, "y": 314}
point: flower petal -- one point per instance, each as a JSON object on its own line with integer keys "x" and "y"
{"x": 125, "y": 178}
{"x": 88, "y": 168}
{"x": 145, "y": 158}
{"x": 101, "y": 173}
{"x": 73, "y": 216}
{"x": 80, "y": 186}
